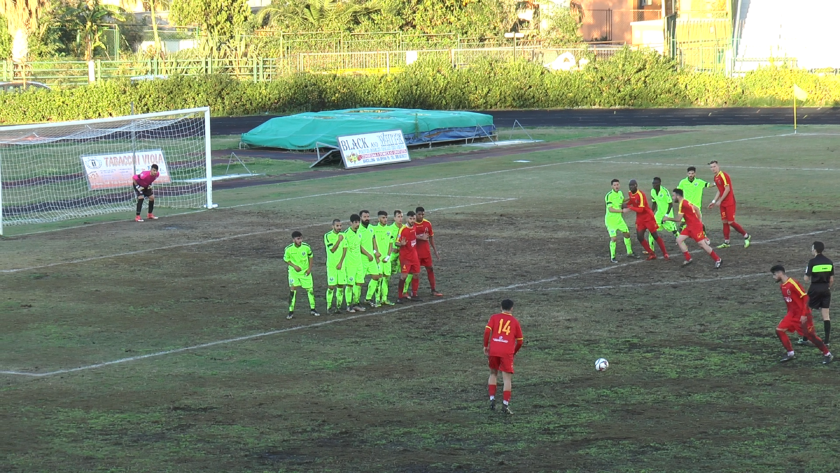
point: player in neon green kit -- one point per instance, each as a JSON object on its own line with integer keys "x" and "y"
{"x": 662, "y": 205}
{"x": 392, "y": 260}
{"x": 336, "y": 248}
{"x": 298, "y": 256}
{"x": 370, "y": 259}
{"x": 395, "y": 230}
{"x": 692, "y": 188}
{"x": 354, "y": 269}
{"x": 614, "y": 220}
{"x": 385, "y": 244}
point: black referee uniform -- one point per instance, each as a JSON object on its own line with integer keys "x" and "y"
{"x": 820, "y": 270}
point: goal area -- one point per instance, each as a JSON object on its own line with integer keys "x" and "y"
{"x": 59, "y": 171}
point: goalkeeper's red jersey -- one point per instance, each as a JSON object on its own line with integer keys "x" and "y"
{"x": 145, "y": 178}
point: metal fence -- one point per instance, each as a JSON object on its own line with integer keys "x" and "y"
{"x": 66, "y": 73}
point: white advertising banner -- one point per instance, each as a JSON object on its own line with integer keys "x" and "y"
{"x": 112, "y": 171}
{"x": 373, "y": 149}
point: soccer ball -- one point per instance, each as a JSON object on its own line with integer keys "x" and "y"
{"x": 601, "y": 364}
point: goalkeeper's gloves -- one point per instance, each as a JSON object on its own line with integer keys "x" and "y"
{"x": 138, "y": 187}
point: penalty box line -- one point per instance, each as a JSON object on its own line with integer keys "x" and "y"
{"x": 518, "y": 169}
{"x": 512, "y": 287}
{"x": 217, "y": 240}
{"x": 633, "y": 286}
{"x": 427, "y": 181}
{"x": 763, "y": 168}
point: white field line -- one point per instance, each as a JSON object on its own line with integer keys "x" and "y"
{"x": 728, "y": 166}
{"x": 523, "y": 168}
{"x": 88, "y": 225}
{"x": 216, "y": 240}
{"x": 512, "y": 287}
{"x": 425, "y": 195}
{"x": 633, "y": 286}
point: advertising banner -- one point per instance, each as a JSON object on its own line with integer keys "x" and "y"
{"x": 373, "y": 149}
{"x": 112, "y": 171}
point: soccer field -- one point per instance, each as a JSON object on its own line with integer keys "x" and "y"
{"x": 165, "y": 347}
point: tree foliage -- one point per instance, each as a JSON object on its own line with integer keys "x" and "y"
{"x": 89, "y": 19}
{"x": 221, "y": 19}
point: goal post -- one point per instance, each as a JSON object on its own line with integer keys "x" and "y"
{"x": 58, "y": 171}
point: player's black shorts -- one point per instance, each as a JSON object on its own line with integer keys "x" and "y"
{"x": 820, "y": 299}
{"x": 147, "y": 192}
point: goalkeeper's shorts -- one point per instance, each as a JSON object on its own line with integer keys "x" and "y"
{"x": 147, "y": 192}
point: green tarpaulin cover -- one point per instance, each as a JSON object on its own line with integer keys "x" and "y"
{"x": 302, "y": 131}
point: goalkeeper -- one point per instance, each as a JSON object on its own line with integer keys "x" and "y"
{"x": 143, "y": 188}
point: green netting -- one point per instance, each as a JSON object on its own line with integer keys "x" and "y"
{"x": 303, "y": 131}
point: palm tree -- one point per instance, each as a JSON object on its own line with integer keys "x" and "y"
{"x": 152, "y": 6}
{"x": 315, "y": 15}
{"x": 22, "y": 17}
{"x": 89, "y": 19}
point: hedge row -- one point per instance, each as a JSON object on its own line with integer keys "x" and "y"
{"x": 629, "y": 79}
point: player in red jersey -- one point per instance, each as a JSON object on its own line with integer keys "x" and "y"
{"x": 645, "y": 220}
{"x": 693, "y": 228}
{"x": 143, "y": 189}
{"x": 425, "y": 239}
{"x": 409, "y": 263}
{"x": 725, "y": 199}
{"x": 798, "y": 318}
{"x": 502, "y": 340}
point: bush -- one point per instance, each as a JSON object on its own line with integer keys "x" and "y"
{"x": 629, "y": 79}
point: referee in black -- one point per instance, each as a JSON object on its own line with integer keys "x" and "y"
{"x": 820, "y": 273}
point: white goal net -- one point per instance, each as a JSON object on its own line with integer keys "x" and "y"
{"x": 60, "y": 171}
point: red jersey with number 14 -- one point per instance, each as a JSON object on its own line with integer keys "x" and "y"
{"x": 423, "y": 247}
{"x": 408, "y": 252}
{"x": 721, "y": 181}
{"x": 503, "y": 335}
{"x": 795, "y": 298}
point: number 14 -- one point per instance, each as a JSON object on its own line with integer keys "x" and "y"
{"x": 504, "y": 327}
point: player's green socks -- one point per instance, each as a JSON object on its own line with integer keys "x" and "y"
{"x": 311, "y": 294}
{"x": 330, "y": 294}
{"x": 407, "y": 287}
{"x": 650, "y": 241}
{"x": 348, "y": 294}
{"x": 339, "y": 297}
{"x": 373, "y": 285}
{"x": 628, "y": 245}
{"x": 292, "y": 297}
{"x": 357, "y": 294}
{"x": 612, "y": 249}
{"x": 383, "y": 289}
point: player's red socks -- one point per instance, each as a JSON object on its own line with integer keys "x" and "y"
{"x": 817, "y": 341}
{"x": 506, "y": 396}
{"x": 415, "y": 284}
{"x": 400, "y": 288}
{"x": 687, "y": 255}
{"x": 431, "y": 274}
{"x": 714, "y": 256}
{"x": 647, "y": 247}
{"x": 785, "y": 340}
{"x": 738, "y": 229}
{"x": 726, "y": 231}
{"x": 661, "y": 243}
{"x": 491, "y": 388}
